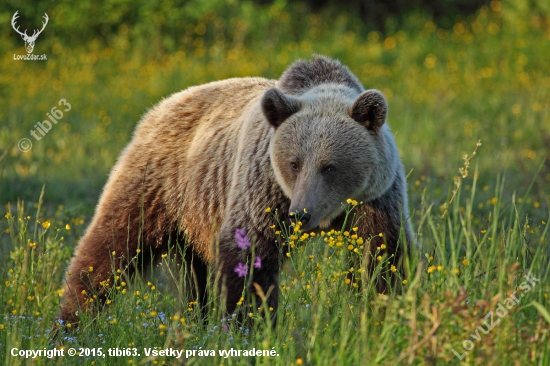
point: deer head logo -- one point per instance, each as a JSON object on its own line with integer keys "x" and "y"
{"x": 29, "y": 40}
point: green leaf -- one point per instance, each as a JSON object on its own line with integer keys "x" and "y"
{"x": 542, "y": 310}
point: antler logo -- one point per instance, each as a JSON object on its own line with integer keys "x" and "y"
{"x": 29, "y": 40}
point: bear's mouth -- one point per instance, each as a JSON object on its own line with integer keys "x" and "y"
{"x": 324, "y": 224}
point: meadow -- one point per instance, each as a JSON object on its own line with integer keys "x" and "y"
{"x": 476, "y": 290}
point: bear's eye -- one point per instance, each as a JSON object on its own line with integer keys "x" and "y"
{"x": 329, "y": 169}
{"x": 294, "y": 166}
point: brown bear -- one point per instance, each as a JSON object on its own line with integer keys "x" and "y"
{"x": 209, "y": 160}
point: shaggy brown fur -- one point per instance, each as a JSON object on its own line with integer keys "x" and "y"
{"x": 210, "y": 159}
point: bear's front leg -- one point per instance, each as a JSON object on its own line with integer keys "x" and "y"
{"x": 241, "y": 271}
{"x": 385, "y": 221}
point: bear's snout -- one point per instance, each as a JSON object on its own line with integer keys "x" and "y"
{"x": 305, "y": 218}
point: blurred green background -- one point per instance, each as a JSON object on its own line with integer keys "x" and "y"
{"x": 453, "y": 71}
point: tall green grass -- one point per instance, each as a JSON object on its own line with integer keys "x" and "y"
{"x": 462, "y": 269}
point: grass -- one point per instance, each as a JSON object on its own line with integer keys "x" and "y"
{"x": 461, "y": 274}
{"x": 447, "y": 88}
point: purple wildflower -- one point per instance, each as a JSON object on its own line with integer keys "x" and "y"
{"x": 258, "y": 262}
{"x": 242, "y": 241}
{"x": 241, "y": 269}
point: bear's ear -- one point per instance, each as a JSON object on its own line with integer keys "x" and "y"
{"x": 277, "y": 106}
{"x": 370, "y": 109}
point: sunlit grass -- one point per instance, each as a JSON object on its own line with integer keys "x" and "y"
{"x": 465, "y": 266}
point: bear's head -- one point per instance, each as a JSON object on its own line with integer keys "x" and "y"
{"x": 329, "y": 144}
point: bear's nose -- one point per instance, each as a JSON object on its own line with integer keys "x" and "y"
{"x": 305, "y": 218}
